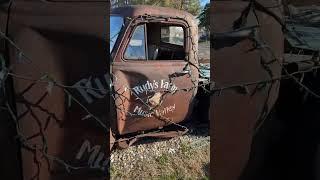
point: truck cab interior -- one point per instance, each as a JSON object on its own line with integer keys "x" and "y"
{"x": 159, "y": 42}
{"x": 165, "y": 42}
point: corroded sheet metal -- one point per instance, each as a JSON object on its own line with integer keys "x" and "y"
{"x": 134, "y": 11}
{"x": 234, "y": 115}
{"x": 165, "y": 81}
{"x": 66, "y": 43}
{"x": 302, "y": 2}
{"x": 141, "y": 78}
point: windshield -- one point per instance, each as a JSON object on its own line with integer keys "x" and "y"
{"x": 116, "y": 23}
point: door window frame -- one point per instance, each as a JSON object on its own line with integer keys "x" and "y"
{"x": 133, "y": 25}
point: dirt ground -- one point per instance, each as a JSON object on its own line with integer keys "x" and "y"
{"x": 204, "y": 52}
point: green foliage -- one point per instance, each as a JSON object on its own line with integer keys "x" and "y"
{"x": 205, "y": 178}
{"x": 163, "y": 159}
{"x": 173, "y": 176}
{"x": 204, "y": 17}
{"x": 192, "y": 6}
{"x": 186, "y": 149}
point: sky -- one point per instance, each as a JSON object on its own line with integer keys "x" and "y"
{"x": 204, "y": 2}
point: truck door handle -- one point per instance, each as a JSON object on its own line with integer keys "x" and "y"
{"x": 181, "y": 73}
{"x": 186, "y": 71}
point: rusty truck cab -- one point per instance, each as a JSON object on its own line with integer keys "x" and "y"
{"x": 154, "y": 67}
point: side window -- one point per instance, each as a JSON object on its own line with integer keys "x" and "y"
{"x": 136, "y": 47}
{"x": 172, "y": 35}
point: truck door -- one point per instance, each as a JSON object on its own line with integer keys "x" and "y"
{"x": 152, "y": 81}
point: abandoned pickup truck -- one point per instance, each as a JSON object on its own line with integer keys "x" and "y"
{"x": 155, "y": 70}
{"x": 55, "y": 78}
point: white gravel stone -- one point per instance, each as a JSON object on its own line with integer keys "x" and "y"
{"x": 126, "y": 158}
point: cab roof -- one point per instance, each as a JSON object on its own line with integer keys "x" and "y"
{"x": 138, "y": 10}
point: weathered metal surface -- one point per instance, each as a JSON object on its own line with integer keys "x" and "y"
{"x": 134, "y": 11}
{"x": 303, "y": 37}
{"x": 234, "y": 115}
{"x": 303, "y": 24}
{"x": 301, "y": 2}
{"x": 138, "y": 83}
{"x": 306, "y": 15}
{"x": 67, "y": 42}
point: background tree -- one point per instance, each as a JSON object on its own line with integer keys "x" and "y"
{"x": 204, "y": 18}
{"x": 192, "y": 6}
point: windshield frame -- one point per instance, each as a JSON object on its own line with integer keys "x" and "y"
{"x": 111, "y": 51}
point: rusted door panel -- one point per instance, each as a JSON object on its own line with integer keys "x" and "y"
{"x": 146, "y": 80}
{"x": 130, "y": 74}
{"x": 234, "y": 115}
{"x": 66, "y": 42}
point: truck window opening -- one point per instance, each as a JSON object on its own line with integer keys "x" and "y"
{"x": 165, "y": 42}
{"x": 136, "y": 47}
{"x": 156, "y": 41}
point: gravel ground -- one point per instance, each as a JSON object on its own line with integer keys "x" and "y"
{"x": 184, "y": 157}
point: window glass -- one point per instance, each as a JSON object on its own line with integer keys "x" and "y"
{"x": 136, "y": 46}
{"x": 172, "y": 35}
{"x": 116, "y": 23}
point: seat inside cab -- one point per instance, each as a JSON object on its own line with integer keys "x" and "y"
{"x": 165, "y": 42}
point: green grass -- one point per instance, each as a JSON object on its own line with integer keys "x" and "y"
{"x": 205, "y": 178}
{"x": 114, "y": 172}
{"x": 186, "y": 149}
{"x": 174, "y": 176}
{"x": 163, "y": 159}
{"x": 186, "y": 163}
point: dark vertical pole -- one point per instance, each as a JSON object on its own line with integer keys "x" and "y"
{"x": 10, "y": 155}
